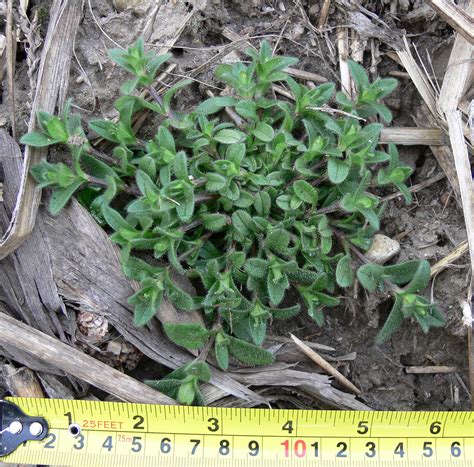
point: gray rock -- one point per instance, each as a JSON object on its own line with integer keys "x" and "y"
{"x": 383, "y": 249}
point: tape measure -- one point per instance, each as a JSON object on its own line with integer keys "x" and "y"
{"x": 90, "y": 433}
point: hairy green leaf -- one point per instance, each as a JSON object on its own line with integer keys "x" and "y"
{"x": 248, "y": 353}
{"x": 344, "y": 273}
{"x": 229, "y": 136}
{"x": 191, "y": 336}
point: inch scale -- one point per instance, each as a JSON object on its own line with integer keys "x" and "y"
{"x": 90, "y": 433}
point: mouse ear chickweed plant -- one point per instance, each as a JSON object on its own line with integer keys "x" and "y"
{"x": 271, "y": 201}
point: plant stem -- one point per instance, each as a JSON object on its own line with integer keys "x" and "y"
{"x": 193, "y": 249}
{"x": 105, "y": 157}
{"x": 191, "y": 226}
{"x": 206, "y": 349}
{"x": 202, "y": 197}
{"x": 333, "y": 208}
{"x": 319, "y": 180}
{"x": 131, "y": 190}
{"x": 159, "y": 100}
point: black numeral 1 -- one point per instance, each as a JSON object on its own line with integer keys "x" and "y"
{"x": 69, "y": 417}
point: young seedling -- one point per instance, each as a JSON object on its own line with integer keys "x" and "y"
{"x": 248, "y": 212}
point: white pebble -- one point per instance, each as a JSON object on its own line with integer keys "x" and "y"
{"x": 383, "y": 249}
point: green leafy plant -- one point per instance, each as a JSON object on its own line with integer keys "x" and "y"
{"x": 273, "y": 200}
{"x": 415, "y": 276}
{"x": 183, "y": 384}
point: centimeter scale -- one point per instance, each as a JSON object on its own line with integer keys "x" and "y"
{"x": 90, "y": 433}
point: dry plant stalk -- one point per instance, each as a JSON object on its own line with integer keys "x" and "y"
{"x": 327, "y": 367}
{"x": 456, "y": 81}
{"x": 343, "y": 49}
{"x": 51, "y": 90}
{"x": 454, "y": 255}
{"x": 22, "y": 382}
{"x": 72, "y": 361}
{"x": 10, "y": 32}
{"x": 323, "y": 16}
{"x": 429, "y": 370}
{"x": 407, "y": 136}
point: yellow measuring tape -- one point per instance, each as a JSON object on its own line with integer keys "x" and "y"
{"x": 90, "y": 433}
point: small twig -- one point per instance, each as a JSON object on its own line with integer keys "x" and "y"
{"x": 428, "y": 370}
{"x": 343, "y": 49}
{"x": 208, "y": 346}
{"x": 104, "y": 157}
{"x": 411, "y": 136}
{"x": 323, "y": 16}
{"x": 320, "y": 180}
{"x": 416, "y": 188}
{"x": 327, "y": 367}
{"x": 205, "y": 237}
{"x": 333, "y": 208}
{"x": 454, "y": 255}
{"x": 332, "y": 111}
{"x": 131, "y": 190}
{"x": 191, "y": 226}
{"x": 159, "y": 100}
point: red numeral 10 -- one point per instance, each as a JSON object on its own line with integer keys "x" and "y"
{"x": 299, "y": 448}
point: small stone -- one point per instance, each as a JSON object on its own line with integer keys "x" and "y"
{"x": 281, "y": 6}
{"x": 231, "y": 57}
{"x": 3, "y": 121}
{"x": 383, "y": 249}
{"x": 296, "y": 32}
{"x": 114, "y": 347}
{"x": 314, "y": 9}
{"x": 79, "y": 79}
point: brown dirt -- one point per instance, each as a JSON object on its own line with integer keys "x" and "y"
{"x": 428, "y": 228}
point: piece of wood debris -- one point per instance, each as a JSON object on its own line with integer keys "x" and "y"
{"x": 407, "y": 136}
{"x": 53, "y": 351}
{"x": 418, "y": 77}
{"x": 429, "y": 370}
{"x": 51, "y": 89}
{"x": 456, "y": 81}
{"x": 328, "y": 368}
{"x": 323, "y": 16}
{"x": 343, "y": 51}
{"x": 22, "y": 382}
{"x": 313, "y": 345}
